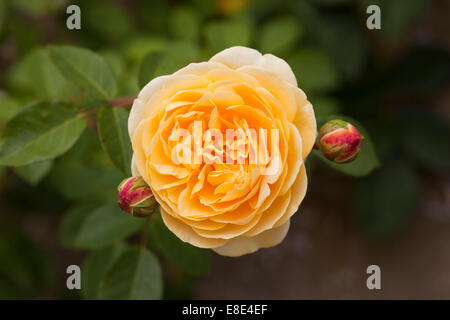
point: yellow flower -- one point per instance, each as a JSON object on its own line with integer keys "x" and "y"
{"x": 232, "y": 195}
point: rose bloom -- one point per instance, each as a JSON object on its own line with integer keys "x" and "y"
{"x": 233, "y": 208}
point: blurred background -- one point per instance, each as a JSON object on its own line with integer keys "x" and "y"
{"x": 394, "y": 81}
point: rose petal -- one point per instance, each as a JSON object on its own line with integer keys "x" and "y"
{"x": 294, "y": 159}
{"x": 139, "y": 105}
{"x": 186, "y": 234}
{"x": 298, "y": 194}
{"x": 305, "y": 121}
{"x": 238, "y": 56}
{"x": 243, "y": 245}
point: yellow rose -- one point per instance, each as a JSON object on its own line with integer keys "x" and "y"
{"x": 220, "y": 197}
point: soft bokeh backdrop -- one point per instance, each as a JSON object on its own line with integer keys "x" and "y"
{"x": 391, "y": 209}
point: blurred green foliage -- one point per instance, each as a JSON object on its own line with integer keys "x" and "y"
{"x": 25, "y": 266}
{"x": 382, "y": 78}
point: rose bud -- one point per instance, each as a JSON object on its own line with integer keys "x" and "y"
{"x": 340, "y": 141}
{"x": 136, "y": 197}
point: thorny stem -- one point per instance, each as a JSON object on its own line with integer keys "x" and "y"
{"x": 122, "y": 102}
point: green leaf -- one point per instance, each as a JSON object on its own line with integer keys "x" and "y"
{"x": 41, "y": 131}
{"x": 86, "y": 152}
{"x": 190, "y": 259}
{"x": 136, "y": 275}
{"x": 116, "y": 61}
{"x": 86, "y": 69}
{"x": 95, "y": 267}
{"x": 8, "y": 107}
{"x": 84, "y": 227}
{"x": 86, "y": 161}
{"x": 35, "y": 172}
{"x": 72, "y": 223}
{"x": 367, "y": 159}
{"x": 184, "y": 23}
{"x": 426, "y": 137}
{"x": 71, "y": 180}
{"x": 385, "y": 200}
{"x": 314, "y": 70}
{"x": 224, "y": 34}
{"x": 150, "y": 67}
{"x": 113, "y": 132}
{"x": 37, "y": 74}
{"x": 280, "y": 35}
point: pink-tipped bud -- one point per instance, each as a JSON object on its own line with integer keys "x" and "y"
{"x": 340, "y": 141}
{"x": 136, "y": 197}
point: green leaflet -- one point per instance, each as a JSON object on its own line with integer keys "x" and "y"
{"x": 135, "y": 275}
{"x": 86, "y": 69}
{"x": 42, "y": 131}
{"x": 91, "y": 227}
{"x": 35, "y": 172}
{"x": 94, "y": 268}
{"x": 113, "y": 132}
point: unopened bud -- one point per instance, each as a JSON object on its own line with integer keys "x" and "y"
{"x": 136, "y": 197}
{"x": 340, "y": 141}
